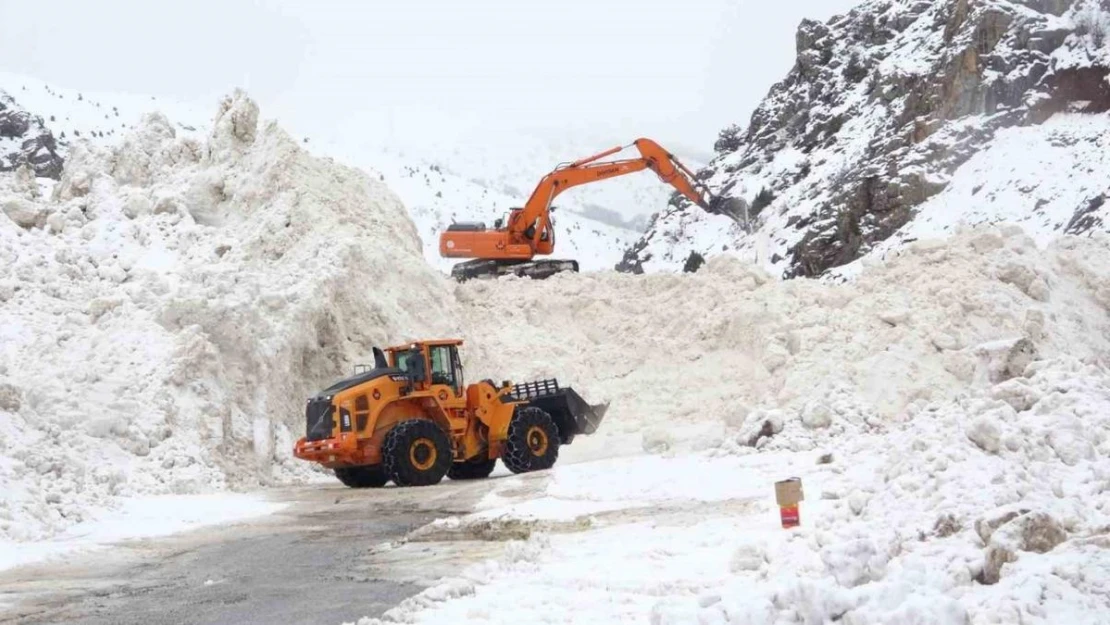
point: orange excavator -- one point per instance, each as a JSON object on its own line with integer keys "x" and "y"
{"x": 511, "y": 245}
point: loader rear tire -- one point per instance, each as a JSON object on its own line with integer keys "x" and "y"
{"x": 532, "y": 443}
{"x": 473, "y": 470}
{"x": 416, "y": 453}
{"x": 362, "y": 477}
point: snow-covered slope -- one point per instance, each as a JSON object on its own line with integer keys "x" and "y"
{"x": 99, "y": 117}
{"x": 1051, "y": 179}
{"x": 873, "y": 129}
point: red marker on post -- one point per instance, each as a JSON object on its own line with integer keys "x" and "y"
{"x": 788, "y": 494}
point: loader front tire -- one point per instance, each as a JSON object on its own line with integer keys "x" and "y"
{"x": 416, "y": 453}
{"x": 472, "y": 470}
{"x": 362, "y": 477}
{"x": 532, "y": 443}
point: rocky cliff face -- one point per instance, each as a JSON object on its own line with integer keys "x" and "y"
{"x": 24, "y": 139}
{"x": 882, "y": 108}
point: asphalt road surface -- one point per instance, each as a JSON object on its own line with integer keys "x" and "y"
{"x": 324, "y": 559}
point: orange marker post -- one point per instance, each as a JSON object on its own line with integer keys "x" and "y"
{"x": 788, "y": 494}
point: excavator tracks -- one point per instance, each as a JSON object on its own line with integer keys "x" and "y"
{"x": 535, "y": 269}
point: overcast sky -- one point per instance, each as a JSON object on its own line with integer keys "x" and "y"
{"x": 677, "y": 71}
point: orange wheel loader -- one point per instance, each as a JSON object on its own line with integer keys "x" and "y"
{"x": 510, "y": 246}
{"x": 410, "y": 419}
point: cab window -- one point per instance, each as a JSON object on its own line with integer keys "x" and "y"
{"x": 409, "y": 361}
{"x": 443, "y": 366}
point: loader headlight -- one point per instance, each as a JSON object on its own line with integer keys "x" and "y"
{"x": 344, "y": 420}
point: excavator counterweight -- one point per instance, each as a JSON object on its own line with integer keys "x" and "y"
{"x": 510, "y": 248}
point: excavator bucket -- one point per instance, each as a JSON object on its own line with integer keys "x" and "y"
{"x": 572, "y": 414}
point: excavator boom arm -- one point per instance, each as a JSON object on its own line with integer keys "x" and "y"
{"x": 593, "y": 169}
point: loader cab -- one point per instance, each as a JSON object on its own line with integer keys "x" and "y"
{"x": 433, "y": 363}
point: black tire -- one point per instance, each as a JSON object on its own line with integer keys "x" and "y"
{"x": 472, "y": 470}
{"x": 532, "y": 443}
{"x": 362, "y": 477}
{"x": 416, "y": 453}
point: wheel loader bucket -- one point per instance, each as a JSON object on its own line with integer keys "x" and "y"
{"x": 572, "y": 414}
{"x": 586, "y": 417}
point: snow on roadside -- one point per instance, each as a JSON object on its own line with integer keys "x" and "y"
{"x": 988, "y": 508}
{"x": 137, "y": 518}
{"x": 958, "y": 382}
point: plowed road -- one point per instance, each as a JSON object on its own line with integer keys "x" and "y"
{"x": 318, "y": 561}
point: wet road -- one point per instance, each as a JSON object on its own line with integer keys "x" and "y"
{"x": 321, "y": 560}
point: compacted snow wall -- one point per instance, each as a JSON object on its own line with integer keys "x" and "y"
{"x": 164, "y": 314}
{"x": 706, "y": 350}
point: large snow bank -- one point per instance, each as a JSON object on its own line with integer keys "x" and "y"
{"x": 947, "y": 411}
{"x": 165, "y": 313}
{"x": 987, "y": 508}
{"x": 683, "y": 357}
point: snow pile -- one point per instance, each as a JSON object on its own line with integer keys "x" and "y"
{"x": 988, "y": 508}
{"x": 947, "y": 411}
{"x": 705, "y": 350}
{"x": 165, "y": 313}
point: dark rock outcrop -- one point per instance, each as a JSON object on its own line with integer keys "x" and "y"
{"x": 24, "y": 139}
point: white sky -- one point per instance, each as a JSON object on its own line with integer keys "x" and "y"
{"x": 677, "y": 71}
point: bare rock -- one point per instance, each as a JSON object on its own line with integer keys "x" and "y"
{"x": 11, "y": 398}
{"x": 816, "y": 415}
{"x": 38, "y": 148}
{"x": 25, "y": 213}
{"x": 1033, "y": 532}
{"x": 986, "y": 433}
{"x": 947, "y": 525}
{"x": 1005, "y": 359}
{"x": 986, "y": 525}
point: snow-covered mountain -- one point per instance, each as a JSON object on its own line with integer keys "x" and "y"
{"x": 905, "y": 118}
{"x": 25, "y": 141}
{"x": 469, "y": 181}
{"x": 70, "y": 115}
